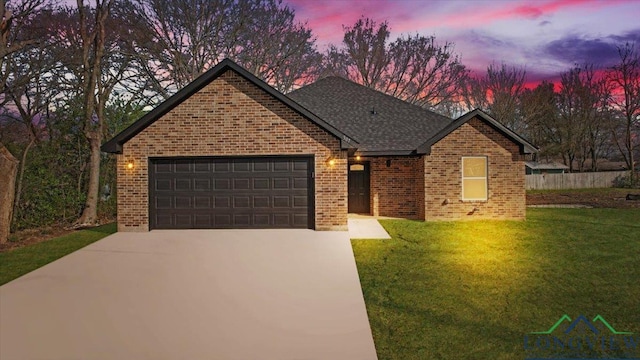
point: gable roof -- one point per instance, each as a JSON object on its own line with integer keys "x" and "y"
{"x": 525, "y": 146}
{"x": 381, "y": 123}
{"x": 115, "y": 144}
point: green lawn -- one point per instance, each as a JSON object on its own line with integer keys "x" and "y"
{"x": 15, "y": 263}
{"x": 472, "y": 290}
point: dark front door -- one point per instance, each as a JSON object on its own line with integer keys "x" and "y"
{"x": 231, "y": 192}
{"x": 359, "y": 188}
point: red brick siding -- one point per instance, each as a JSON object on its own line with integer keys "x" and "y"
{"x": 443, "y": 178}
{"x": 397, "y": 190}
{"x": 229, "y": 117}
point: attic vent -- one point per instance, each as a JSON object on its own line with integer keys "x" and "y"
{"x": 373, "y": 111}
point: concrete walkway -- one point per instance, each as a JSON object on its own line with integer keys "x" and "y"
{"x": 194, "y": 294}
{"x": 361, "y": 227}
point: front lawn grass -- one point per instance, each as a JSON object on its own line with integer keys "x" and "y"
{"x": 15, "y": 263}
{"x": 472, "y": 290}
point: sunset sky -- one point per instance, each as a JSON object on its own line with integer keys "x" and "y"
{"x": 545, "y": 36}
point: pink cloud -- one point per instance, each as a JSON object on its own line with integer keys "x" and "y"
{"x": 485, "y": 13}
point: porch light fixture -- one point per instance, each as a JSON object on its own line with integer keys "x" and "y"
{"x": 357, "y": 157}
{"x": 130, "y": 165}
{"x": 331, "y": 161}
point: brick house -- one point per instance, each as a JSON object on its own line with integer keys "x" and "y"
{"x": 229, "y": 151}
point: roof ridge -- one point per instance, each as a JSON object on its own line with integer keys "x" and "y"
{"x": 353, "y": 83}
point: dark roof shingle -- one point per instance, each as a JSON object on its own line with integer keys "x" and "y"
{"x": 378, "y": 122}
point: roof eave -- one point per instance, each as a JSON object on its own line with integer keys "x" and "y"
{"x": 385, "y": 152}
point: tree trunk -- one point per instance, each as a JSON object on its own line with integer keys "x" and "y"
{"x": 89, "y": 215}
{"x": 23, "y": 164}
{"x": 8, "y": 173}
{"x": 93, "y": 48}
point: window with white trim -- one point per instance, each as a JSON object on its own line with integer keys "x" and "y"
{"x": 474, "y": 178}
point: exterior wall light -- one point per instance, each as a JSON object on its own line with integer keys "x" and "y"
{"x": 130, "y": 165}
{"x": 332, "y": 162}
{"x": 358, "y": 157}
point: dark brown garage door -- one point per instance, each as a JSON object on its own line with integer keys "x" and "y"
{"x": 209, "y": 193}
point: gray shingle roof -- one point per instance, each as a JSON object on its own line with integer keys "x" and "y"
{"x": 378, "y": 122}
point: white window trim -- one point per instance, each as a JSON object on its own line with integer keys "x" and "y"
{"x": 485, "y": 178}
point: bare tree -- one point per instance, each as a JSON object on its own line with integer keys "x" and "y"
{"x": 414, "y": 68}
{"x": 97, "y": 56}
{"x": 187, "y": 37}
{"x": 539, "y": 111}
{"x": 274, "y": 47}
{"x": 499, "y": 92}
{"x": 624, "y": 79}
{"x": 581, "y": 102}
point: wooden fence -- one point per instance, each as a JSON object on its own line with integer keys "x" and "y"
{"x": 573, "y": 180}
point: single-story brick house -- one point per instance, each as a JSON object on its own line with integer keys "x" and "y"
{"x": 229, "y": 151}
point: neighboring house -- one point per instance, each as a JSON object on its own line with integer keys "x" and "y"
{"x": 229, "y": 151}
{"x": 534, "y": 167}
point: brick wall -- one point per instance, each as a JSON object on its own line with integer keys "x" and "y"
{"x": 443, "y": 178}
{"x": 397, "y": 190}
{"x": 231, "y": 116}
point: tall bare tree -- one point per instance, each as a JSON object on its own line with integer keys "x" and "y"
{"x": 539, "y": 111}
{"x": 91, "y": 24}
{"x": 581, "y": 102}
{"x": 414, "y": 68}
{"x": 98, "y": 52}
{"x": 624, "y": 79}
{"x": 498, "y": 92}
{"x": 187, "y": 37}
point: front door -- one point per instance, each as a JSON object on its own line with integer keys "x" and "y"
{"x": 359, "y": 188}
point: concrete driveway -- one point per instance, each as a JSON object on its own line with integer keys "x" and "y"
{"x": 194, "y": 294}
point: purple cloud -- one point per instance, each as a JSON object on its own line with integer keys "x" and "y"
{"x": 579, "y": 49}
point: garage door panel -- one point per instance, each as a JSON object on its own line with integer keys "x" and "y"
{"x": 261, "y": 202}
{"x": 183, "y": 221}
{"x": 261, "y": 165}
{"x": 241, "y": 166}
{"x": 202, "y": 165}
{"x": 300, "y": 183}
{"x": 163, "y": 202}
{"x": 202, "y": 184}
{"x": 281, "y": 202}
{"x": 163, "y": 166}
{"x": 300, "y": 220}
{"x": 300, "y": 201}
{"x": 222, "y": 221}
{"x": 182, "y": 184}
{"x": 223, "y": 202}
{"x": 282, "y": 220}
{"x": 202, "y": 202}
{"x": 281, "y": 166}
{"x": 242, "y": 184}
{"x": 163, "y": 185}
{"x": 183, "y": 166}
{"x": 241, "y": 202}
{"x": 222, "y": 184}
{"x": 203, "y": 221}
{"x": 300, "y": 165}
{"x": 231, "y": 192}
{"x": 261, "y": 183}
